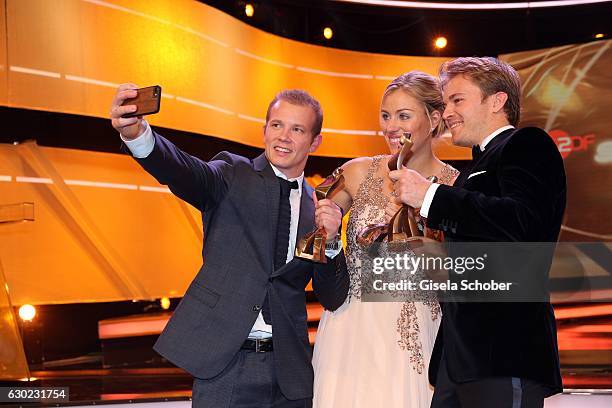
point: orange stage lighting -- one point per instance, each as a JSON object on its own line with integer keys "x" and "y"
{"x": 328, "y": 33}
{"x": 249, "y": 10}
{"x": 27, "y": 313}
{"x": 165, "y": 303}
{"x": 441, "y": 42}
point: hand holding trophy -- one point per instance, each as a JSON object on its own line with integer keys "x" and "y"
{"x": 312, "y": 245}
{"x": 402, "y": 226}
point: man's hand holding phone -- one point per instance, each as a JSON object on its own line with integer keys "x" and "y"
{"x": 129, "y": 105}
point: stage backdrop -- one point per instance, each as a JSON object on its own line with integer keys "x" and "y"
{"x": 217, "y": 73}
{"x": 92, "y": 210}
{"x": 567, "y": 91}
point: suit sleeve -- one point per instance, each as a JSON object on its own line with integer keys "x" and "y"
{"x": 531, "y": 180}
{"x": 330, "y": 282}
{"x": 201, "y": 184}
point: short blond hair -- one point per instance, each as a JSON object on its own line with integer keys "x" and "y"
{"x": 300, "y": 98}
{"x": 492, "y": 76}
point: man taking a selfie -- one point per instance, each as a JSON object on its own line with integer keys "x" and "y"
{"x": 241, "y": 328}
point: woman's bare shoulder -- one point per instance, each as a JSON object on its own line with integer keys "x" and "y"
{"x": 355, "y": 171}
{"x": 359, "y": 164}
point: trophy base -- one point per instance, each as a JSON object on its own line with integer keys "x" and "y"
{"x": 312, "y": 246}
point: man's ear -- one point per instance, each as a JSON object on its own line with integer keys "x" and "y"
{"x": 499, "y": 100}
{"x": 436, "y": 117}
{"x": 316, "y": 142}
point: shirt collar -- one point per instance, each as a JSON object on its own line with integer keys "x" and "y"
{"x": 299, "y": 179}
{"x": 487, "y": 139}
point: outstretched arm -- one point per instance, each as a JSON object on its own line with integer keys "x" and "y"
{"x": 199, "y": 183}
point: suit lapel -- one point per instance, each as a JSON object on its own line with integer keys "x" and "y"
{"x": 306, "y": 221}
{"x": 272, "y": 192}
{"x": 482, "y": 162}
{"x": 305, "y": 225}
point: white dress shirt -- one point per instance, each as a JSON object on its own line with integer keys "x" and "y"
{"x": 143, "y": 145}
{"x": 261, "y": 329}
{"x": 431, "y": 191}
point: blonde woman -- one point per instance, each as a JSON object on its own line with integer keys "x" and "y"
{"x": 371, "y": 354}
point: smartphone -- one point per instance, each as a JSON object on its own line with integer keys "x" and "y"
{"x": 147, "y": 101}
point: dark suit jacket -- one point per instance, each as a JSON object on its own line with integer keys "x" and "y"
{"x": 520, "y": 197}
{"x": 239, "y": 200}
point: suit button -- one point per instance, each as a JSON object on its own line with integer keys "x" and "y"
{"x": 256, "y": 308}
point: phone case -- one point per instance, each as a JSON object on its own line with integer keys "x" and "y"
{"x": 147, "y": 101}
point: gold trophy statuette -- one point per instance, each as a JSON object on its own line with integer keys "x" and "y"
{"x": 312, "y": 245}
{"x": 402, "y": 227}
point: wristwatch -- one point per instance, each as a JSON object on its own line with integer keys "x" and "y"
{"x": 333, "y": 244}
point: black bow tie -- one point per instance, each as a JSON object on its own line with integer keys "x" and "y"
{"x": 292, "y": 185}
{"x": 476, "y": 152}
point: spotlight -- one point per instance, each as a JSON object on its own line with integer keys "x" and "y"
{"x": 249, "y": 10}
{"x": 440, "y": 42}
{"x": 27, "y": 313}
{"x": 165, "y": 303}
{"x": 328, "y": 33}
{"x": 599, "y": 35}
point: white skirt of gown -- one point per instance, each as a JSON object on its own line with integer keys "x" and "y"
{"x": 359, "y": 363}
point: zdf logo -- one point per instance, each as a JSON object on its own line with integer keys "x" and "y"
{"x": 568, "y": 144}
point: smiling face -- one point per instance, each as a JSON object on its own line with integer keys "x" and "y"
{"x": 288, "y": 137}
{"x": 469, "y": 117}
{"x": 401, "y": 112}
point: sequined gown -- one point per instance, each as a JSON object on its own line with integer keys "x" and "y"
{"x": 374, "y": 355}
